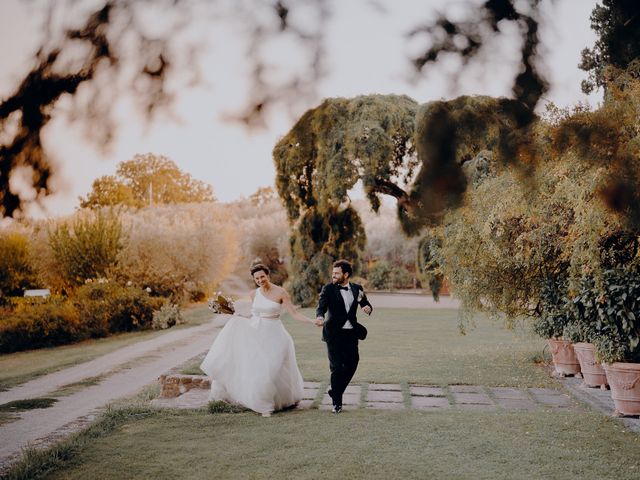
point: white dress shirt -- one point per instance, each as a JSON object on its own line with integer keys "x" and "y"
{"x": 347, "y": 296}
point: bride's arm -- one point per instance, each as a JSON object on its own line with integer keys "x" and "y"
{"x": 292, "y": 309}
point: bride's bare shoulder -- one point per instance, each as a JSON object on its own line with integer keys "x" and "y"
{"x": 282, "y": 293}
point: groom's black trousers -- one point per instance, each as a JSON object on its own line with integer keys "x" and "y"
{"x": 343, "y": 361}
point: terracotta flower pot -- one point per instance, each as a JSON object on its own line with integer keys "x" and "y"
{"x": 564, "y": 358}
{"x": 624, "y": 380}
{"x": 592, "y": 372}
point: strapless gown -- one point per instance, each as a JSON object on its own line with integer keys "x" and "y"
{"x": 252, "y": 361}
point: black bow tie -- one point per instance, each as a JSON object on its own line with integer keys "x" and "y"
{"x": 343, "y": 288}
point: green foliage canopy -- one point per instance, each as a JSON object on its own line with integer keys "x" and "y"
{"x": 331, "y": 148}
{"x": 147, "y": 179}
{"x": 16, "y": 270}
{"x": 617, "y": 24}
{"x": 88, "y": 248}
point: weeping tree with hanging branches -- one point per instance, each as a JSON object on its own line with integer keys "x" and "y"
{"x": 332, "y": 147}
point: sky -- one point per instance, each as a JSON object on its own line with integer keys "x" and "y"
{"x": 366, "y": 52}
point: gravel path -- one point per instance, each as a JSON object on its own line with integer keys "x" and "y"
{"x": 155, "y": 357}
{"x": 99, "y": 366}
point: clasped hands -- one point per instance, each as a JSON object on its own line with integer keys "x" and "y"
{"x": 319, "y": 322}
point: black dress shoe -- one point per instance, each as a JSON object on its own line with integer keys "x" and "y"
{"x": 337, "y": 408}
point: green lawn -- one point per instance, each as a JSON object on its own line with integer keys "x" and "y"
{"x": 361, "y": 444}
{"x": 425, "y": 346}
{"x": 403, "y": 346}
{"x": 17, "y": 368}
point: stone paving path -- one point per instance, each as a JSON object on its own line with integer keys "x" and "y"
{"x": 599, "y": 399}
{"x": 385, "y": 396}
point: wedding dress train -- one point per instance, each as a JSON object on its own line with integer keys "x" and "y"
{"x": 252, "y": 361}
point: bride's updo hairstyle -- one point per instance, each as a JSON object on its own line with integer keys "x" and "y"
{"x": 259, "y": 266}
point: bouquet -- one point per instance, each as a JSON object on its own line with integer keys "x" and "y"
{"x": 221, "y": 304}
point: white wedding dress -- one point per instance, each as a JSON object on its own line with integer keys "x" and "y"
{"x": 252, "y": 361}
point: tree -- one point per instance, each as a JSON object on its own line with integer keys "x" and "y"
{"x": 324, "y": 155}
{"x": 180, "y": 251}
{"x": 427, "y": 266}
{"x": 87, "y": 248}
{"x": 108, "y": 191}
{"x": 544, "y": 247}
{"x": 147, "y": 179}
{"x": 16, "y": 267}
{"x": 617, "y": 23}
{"x": 262, "y": 196}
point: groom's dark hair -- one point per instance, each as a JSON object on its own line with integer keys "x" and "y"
{"x": 258, "y": 267}
{"x": 345, "y": 266}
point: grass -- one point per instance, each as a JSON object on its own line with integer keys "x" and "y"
{"x": 71, "y": 388}
{"x": 36, "y": 463}
{"x": 8, "y": 410}
{"x": 27, "y": 404}
{"x": 359, "y": 444}
{"x": 18, "y": 368}
{"x": 425, "y": 346}
{"x": 192, "y": 367}
{"x": 7, "y": 417}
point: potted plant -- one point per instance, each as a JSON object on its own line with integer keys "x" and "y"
{"x": 617, "y": 341}
{"x": 582, "y": 330}
{"x": 554, "y": 318}
{"x": 591, "y": 370}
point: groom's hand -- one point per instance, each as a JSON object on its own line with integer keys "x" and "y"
{"x": 367, "y": 309}
{"x": 319, "y": 321}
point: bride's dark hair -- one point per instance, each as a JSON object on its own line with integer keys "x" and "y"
{"x": 257, "y": 267}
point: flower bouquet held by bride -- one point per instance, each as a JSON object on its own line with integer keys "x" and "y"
{"x": 222, "y": 304}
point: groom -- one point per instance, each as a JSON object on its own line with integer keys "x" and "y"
{"x": 341, "y": 330}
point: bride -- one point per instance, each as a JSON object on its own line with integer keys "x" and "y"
{"x": 252, "y": 361}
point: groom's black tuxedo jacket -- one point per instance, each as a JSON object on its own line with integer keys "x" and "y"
{"x": 331, "y": 301}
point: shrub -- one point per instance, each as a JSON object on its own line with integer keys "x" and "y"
{"x": 41, "y": 325}
{"x": 427, "y": 266}
{"x": 16, "y": 268}
{"x": 385, "y": 240}
{"x": 401, "y": 277}
{"x": 265, "y": 240}
{"x": 109, "y": 308}
{"x": 87, "y": 248}
{"x": 617, "y": 320}
{"x": 179, "y": 251}
{"x": 316, "y": 272}
{"x": 554, "y": 314}
{"x": 380, "y": 276}
{"x": 557, "y": 240}
{"x": 168, "y": 316}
